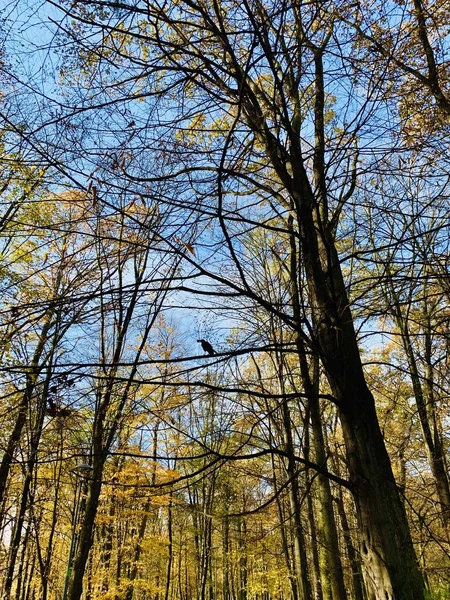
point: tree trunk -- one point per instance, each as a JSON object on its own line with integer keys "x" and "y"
{"x": 331, "y": 565}
{"x": 317, "y": 583}
{"x": 300, "y": 562}
{"x": 87, "y": 527}
{"x": 27, "y": 496}
{"x": 170, "y": 547}
{"x": 31, "y": 380}
{"x": 107, "y": 543}
{"x": 284, "y": 541}
{"x": 389, "y": 562}
{"x": 355, "y": 563}
{"x": 329, "y": 547}
{"x": 386, "y": 545}
{"x": 225, "y": 551}
{"x": 424, "y": 397}
{"x": 243, "y": 569}
{"x": 23, "y": 564}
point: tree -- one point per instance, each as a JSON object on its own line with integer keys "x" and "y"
{"x": 263, "y": 78}
{"x": 237, "y": 144}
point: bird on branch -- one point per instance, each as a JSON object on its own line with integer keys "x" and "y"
{"x": 207, "y": 347}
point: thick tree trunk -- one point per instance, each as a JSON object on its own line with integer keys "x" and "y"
{"x": 390, "y": 567}
{"x": 386, "y": 545}
{"x": 389, "y": 562}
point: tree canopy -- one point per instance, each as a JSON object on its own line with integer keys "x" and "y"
{"x": 225, "y": 309}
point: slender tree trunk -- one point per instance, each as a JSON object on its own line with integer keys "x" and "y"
{"x": 23, "y": 562}
{"x": 169, "y": 548}
{"x": 300, "y": 562}
{"x": 284, "y": 541}
{"x": 29, "y": 583}
{"x": 27, "y": 496}
{"x": 355, "y": 563}
{"x": 331, "y": 556}
{"x": 331, "y": 566}
{"x": 87, "y": 527}
{"x": 225, "y": 552}
{"x": 50, "y": 549}
{"x": 206, "y": 554}
{"x": 317, "y": 583}
{"x": 438, "y": 458}
{"x": 293, "y": 559}
{"x": 107, "y": 543}
{"x": 89, "y": 573}
{"x": 143, "y": 525}
{"x": 315, "y": 563}
{"x": 424, "y": 397}
{"x": 243, "y": 568}
{"x": 31, "y": 380}
{"x": 104, "y": 434}
{"x": 193, "y": 501}
{"x": 181, "y": 590}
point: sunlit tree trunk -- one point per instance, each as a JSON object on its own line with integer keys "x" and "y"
{"x": 284, "y": 537}
{"x": 226, "y": 549}
{"x": 243, "y": 565}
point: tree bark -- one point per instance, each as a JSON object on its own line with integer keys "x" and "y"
{"x": 300, "y": 562}
{"x": 355, "y": 563}
{"x": 389, "y": 562}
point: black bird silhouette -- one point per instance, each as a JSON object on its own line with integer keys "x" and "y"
{"x": 52, "y": 410}
{"x": 207, "y": 347}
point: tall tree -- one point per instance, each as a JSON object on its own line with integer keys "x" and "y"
{"x": 263, "y": 78}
